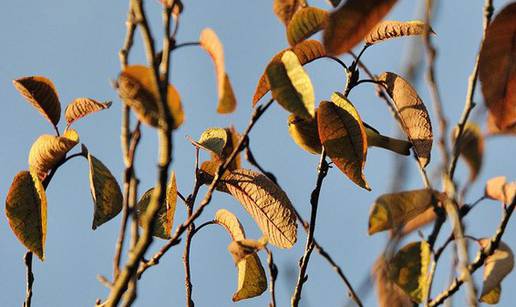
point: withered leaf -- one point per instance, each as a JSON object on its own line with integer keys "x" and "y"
{"x": 231, "y": 223}
{"x": 498, "y": 188}
{"x": 496, "y": 267}
{"x": 389, "y": 294}
{"x": 213, "y": 140}
{"x": 305, "y": 133}
{"x": 306, "y": 22}
{"x": 471, "y": 147}
{"x": 242, "y": 249}
{"x": 81, "y": 107}
{"x": 392, "y": 29}
{"x": 285, "y": 9}
{"x": 492, "y": 297}
{"x": 375, "y": 139}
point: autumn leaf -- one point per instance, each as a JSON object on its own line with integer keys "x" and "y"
{"x": 389, "y": 29}
{"x": 305, "y": 23}
{"x": 210, "y": 42}
{"x": 138, "y": 90}
{"x": 285, "y": 9}
{"x": 409, "y": 268}
{"x": 291, "y": 86}
{"x": 213, "y": 140}
{"x": 165, "y": 216}
{"x": 413, "y": 115}
{"x": 305, "y": 133}
{"x": 419, "y": 221}
{"x": 267, "y": 204}
{"x": 231, "y": 223}
{"x": 343, "y": 135}
{"x": 471, "y": 147}
{"x": 375, "y": 139}
{"x": 48, "y": 150}
{"x": 496, "y": 267}
{"x": 393, "y": 211}
{"x": 26, "y": 210}
{"x": 350, "y": 23}
{"x": 492, "y": 297}
{"x": 107, "y": 197}
{"x": 492, "y": 129}
{"x": 81, "y": 107}
{"x": 389, "y": 294}
{"x": 497, "y": 68}
{"x": 232, "y": 141}
{"x": 498, "y": 188}
{"x": 306, "y": 51}
{"x": 244, "y": 248}
{"x": 42, "y": 94}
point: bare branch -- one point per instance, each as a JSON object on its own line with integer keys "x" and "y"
{"x": 30, "y": 279}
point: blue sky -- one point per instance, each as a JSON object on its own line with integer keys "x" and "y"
{"x": 76, "y": 43}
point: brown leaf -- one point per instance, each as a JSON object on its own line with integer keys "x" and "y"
{"x": 492, "y": 297}
{"x": 496, "y": 266}
{"x": 107, "y": 197}
{"x": 494, "y": 130}
{"x": 389, "y": 294}
{"x": 392, "y": 29}
{"x": 306, "y": 22}
{"x": 26, "y": 210}
{"x": 497, "y": 68}
{"x": 419, "y": 221}
{"x": 498, "y": 188}
{"x": 42, "y": 94}
{"x": 471, "y": 148}
{"x": 285, "y": 9}
{"x": 232, "y": 141}
{"x": 81, "y": 107}
{"x": 305, "y": 133}
{"x": 413, "y": 115}
{"x": 348, "y": 24}
{"x": 242, "y": 249}
{"x": 343, "y": 135}
{"x": 306, "y": 51}
{"x": 210, "y": 42}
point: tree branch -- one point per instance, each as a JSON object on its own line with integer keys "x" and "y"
{"x": 273, "y": 274}
{"x": 30, "y": 279}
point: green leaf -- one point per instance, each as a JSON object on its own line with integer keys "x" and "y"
{"x": 306, "y": 22}
{"x": 26, "y": 210}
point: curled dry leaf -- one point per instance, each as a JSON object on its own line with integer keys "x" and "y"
{"x": 498, "y": 188}
{"x": 291, "y": 86}
{"x": 492, "y": 297}
{"x": 350, "y": 23}
{"x": 251, "y": 275}
{"x": 392, "y": 29}
{"x": 42, "y": 94}
{"x": 412, "y": 113}
{"x": 211, "y": 43}
{"x": 471, "y": 148}
{"x": 213, "y": 140}
{"x": 138, "y": 90}
{"x": 267, "y": 204}
{"x": 26, "y": 210}
{"x": 393, "y": 211}
{"x": 165, "y": 217}
{"x": 305, "y": 23}
{"x": 409, "y": 268}
{"x": 285, "y": 9}
{"x": 244, "y": 248}
{"x": 343, "y": 135}
{"x": 48, "y": 150}
{"x": 305, "y": 133}
{"x": 306, "y": 51}
{"x": 497, "y": 68}
{"x": 496, "y": 267}
{"x": 81, "y": 107}
{"x": 107, "y": 197}
{"x": 389, "y": 294}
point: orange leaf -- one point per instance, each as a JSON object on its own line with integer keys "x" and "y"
{"x": 391, "y": 29}
{"x": 81, "y": 107}
{"x": 285, "y": 9}
{"x": 306, "y": 22}
{"x": 42, "y": 94}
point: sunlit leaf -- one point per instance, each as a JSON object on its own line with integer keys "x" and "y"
{"x": 498, "y": 188}
{"x": 210, "y": 42}
{"x": 471, "y": 148}
{"x": 107, "y": 197}
{"x": 413, "y": 115}
{"x": 392, "y": 211}
{"x": 409, "y": 268}
{"x": 497, "y": 68}
{"x": 285, "y": 9}
{"x": 267, "y": 204}
{"x": 81, "y": 107}
{"x": 350, "y": 23}
{"x": 26, "y": 210}
{"x": 48, "y": 150}
{"x": 137, "y": 89}
{"x": 493, "y": 129}
{"x": 42, "y": 94}
{"x": 392, "y": 29}
{"x": 496, "y": 267}
{"x": 232, "y": 141}
{"x": 375, "y": 139}
{"x": 306, "y": 51}
{"x": 242, "y": 249}
{"x": 343, "y": 135}
{"x": 492, "y": 297}
{"x": 389, "y": 294}
{"x": 305, "y": 133}
{"x": 291, "y": 86}
{"x": 306, "y": 22}
{"x": 213, "y": 140}
{"x": 165, "y": 216}
{"x": 231, "y": 223}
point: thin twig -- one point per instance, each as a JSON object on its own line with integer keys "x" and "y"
{"x": 187, "y": 44}
{"x": 273, "y": 274}
{"x": 30, "y": 279}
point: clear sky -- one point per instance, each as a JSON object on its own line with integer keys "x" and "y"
{"x": 76, "y": 43}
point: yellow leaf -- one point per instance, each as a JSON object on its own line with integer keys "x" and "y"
{"x": 375, "y": 139}
{"x": 42, "y": 94}
{"x": 497, "y": 68}
{"x": 496, "y": 266}
{"x": 471, "y": 148}
{"x": 285, "y": 9}
{"x": 392, "y": 211}
{"x": 165, "y": 217}
{"x": 499, "y": 189}
{"x": 211, "y": 43}
{"x": 343, "y": 135}
{"x": 137, "y": 89}
{"x": 348, "y": 24}
{"x": 81, "y": 107}
{"x": 48, "y": 150}
{"x": 267, "y": 204}
{"x": 305, "y": 133}
{"x": 213, "y": 140}
{"x": 306, "y": 22}
{"x": 414, "y": 117}
{"x": 306, "y": 51}
{"x": 389, "y": 294}
{"x": 251, "y": 275}
{"x": 26, "y": 210}
{"x": 291, "y": 86}
{"x": 492, "y": 297}
{"x": 392, "y": 29}
{"x": 409, "y": 268}
{"x": 107, "y": 197}
{"x": 242, "y": 249}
